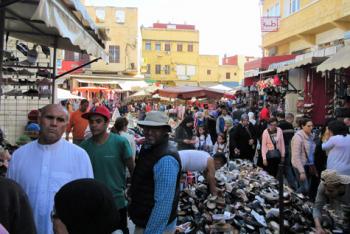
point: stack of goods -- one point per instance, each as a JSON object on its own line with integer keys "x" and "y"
{"x": 248, "y": 202}
{"x": 24, "y": 75}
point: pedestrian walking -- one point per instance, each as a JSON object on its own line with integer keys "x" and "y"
{"x": 53, "y": 162}
{"x": 272, "y": 147}
{"x": 303, "y": 148}
{"x": 77, "y": 124}
{"x": 110, "y": 154}
{"x": 155, "y": 183}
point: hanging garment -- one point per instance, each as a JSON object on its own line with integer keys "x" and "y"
{"x": 45, "y": 50}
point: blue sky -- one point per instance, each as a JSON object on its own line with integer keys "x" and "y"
{"x": 225, "y": 26}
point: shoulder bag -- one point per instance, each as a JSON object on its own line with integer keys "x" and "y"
{"x": 275, "y": 153}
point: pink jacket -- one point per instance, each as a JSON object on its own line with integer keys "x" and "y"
{"x": 267, "y": 144}
{"x": 299, "y": 145}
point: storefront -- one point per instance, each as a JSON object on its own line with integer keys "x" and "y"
{"x": 335, "y": 72}
{"x": 31, "y": 33}
{"x": 307, "y": 89}
{"x": 262, "y": 82}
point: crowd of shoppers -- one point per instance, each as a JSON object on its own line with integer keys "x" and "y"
{"x": 204, "y": 140}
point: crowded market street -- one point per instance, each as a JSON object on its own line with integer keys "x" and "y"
{"x": 112, "y": 121}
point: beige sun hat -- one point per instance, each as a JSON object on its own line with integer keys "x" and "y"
{"x": 155, "y": 119}
{"x": 330, "y": 177}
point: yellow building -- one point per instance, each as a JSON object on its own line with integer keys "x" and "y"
{"x": 170, "y": 55}
{"x": 306, "y": 25}
{"x": 122, "y": 30}
{"x": 232, "y": 68}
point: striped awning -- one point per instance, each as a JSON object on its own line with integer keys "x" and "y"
{"x": 339, "y": 60}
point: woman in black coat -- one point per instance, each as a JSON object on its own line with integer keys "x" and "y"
{"x": 243, "y": 140}
{"x": 184, "y": 134}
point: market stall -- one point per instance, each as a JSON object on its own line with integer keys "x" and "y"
{"x": 63, "y": 94}
{"x": 187, "y": 92}
{"x": 32, "y": 31}
{"x": 250, "y": 202}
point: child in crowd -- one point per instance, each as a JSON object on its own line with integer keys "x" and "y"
{"x": 221, "y": 145}
{"x": 203, "y": 140}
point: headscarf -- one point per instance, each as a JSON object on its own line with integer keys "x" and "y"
{"x": 251, "y": 118}
{"x": 86, "y": 206}
{"x": 331, "y": 177}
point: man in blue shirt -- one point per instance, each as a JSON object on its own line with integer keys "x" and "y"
{"x": 155, "y": 182}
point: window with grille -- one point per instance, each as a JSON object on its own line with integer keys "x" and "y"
{"x": 190, "y": 48}
{"x": 167, "y": 47}
{"x": 68, "y": 55}
{"x": 158, "y": 68}
{"x": 179, "y": 47}
{"x": 114, "y": 54}
{"x": 148, "y": 45}
{"x": 120, "y": 17}
{"x": 167, "y": 69}
{"x": 100, "y": 14}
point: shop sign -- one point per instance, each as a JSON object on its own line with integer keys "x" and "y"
{"x": 275, "y": 66}
{"x": 251, "y": 73}
{"x": 269, "y": 23}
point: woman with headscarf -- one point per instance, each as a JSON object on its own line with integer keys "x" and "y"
{"x": 84, "y": 206}
{"x": 252, "y": 119}
{"x": 184, "y": 134}
{"x": 243, "y": 140}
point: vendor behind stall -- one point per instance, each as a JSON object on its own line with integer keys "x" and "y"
{"x": 335, "y": 190}
{"x": 196, "y": 160}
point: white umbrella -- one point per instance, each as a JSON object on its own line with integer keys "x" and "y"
{"x": 221, "y": 87}
{"x": 63, "y": 94}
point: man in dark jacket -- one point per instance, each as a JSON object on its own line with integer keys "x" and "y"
{"x": 243, "y": 140}
{"x": 288, "y": 133}
{"x": 155, "y": 182}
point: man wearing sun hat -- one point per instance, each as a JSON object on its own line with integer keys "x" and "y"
{"x": 335, "y": 190}
{"x": 155, "y": 183}
{"x": 110, "y": 154}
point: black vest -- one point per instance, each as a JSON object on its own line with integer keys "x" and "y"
{"x": 142, "y": 184}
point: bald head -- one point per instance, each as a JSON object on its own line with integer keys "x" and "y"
{"x": 54, "y": 107}
{"x": 53, "y": 120}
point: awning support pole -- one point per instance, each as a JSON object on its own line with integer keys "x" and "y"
{"x": 281, "y": 198}
{"x": 76, "y": 68}
{"x": 2, "y": 33}
{"x": 54, "y": 69}
{"x": 294, "y": 89}
{"x": 7, "y": 3}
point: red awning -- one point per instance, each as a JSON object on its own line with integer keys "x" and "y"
{"x": 264, "y": 62}
{"x": 249, "y": 81}
{"x": 187, "y": 92}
